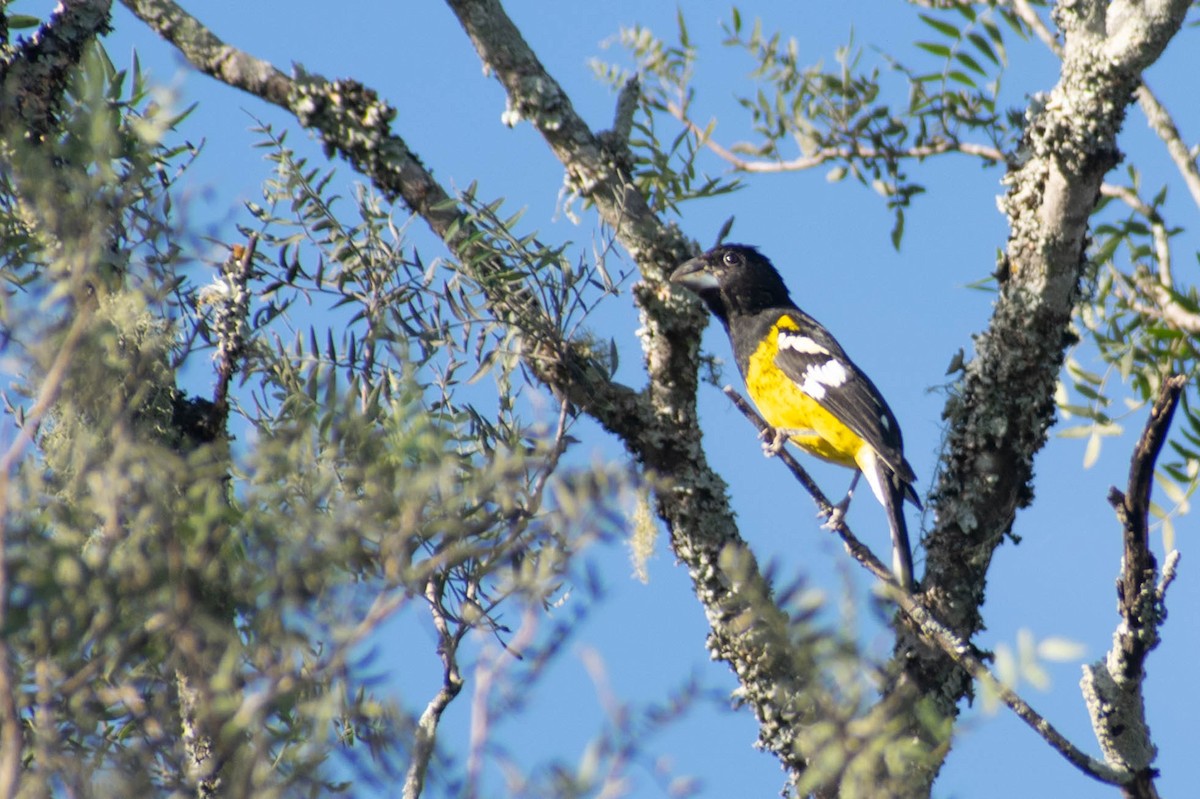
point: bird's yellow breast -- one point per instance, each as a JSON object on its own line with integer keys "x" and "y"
{"x": 784, "y": 405}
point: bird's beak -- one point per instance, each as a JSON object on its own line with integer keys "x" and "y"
{"x": 694, "y": 275}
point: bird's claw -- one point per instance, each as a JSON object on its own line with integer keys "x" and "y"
{"x": 837, "y": 513}
{"x": 773, "y": 440}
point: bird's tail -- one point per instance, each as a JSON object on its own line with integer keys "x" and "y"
{"x": 893, "y": 501}
{"x": 891, "y": 491}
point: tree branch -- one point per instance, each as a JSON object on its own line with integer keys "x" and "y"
{"x": 826, "y": 154}
{"x": 998, "y": 420}
{"x": 353, "y": 121}
{"x": 452, "y": 683}
{"x": 658, "y": 427}
{"x": 1160, "y": 122}
{"x": 1001, "y": 411}
{"x": 932, "y": 630}
{"x": 1112, "y": 687}
{"x": 232, "y": 307}
{"x": 1157, "y": 116}
{"x": 33, "y": 78}
{"x": 726, "y": 578}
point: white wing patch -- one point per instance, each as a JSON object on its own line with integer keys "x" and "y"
{"x": 830, "y": 374}
{"x": 800, "y": 343}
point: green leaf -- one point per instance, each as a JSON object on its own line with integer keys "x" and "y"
{"x": 966, "y": 10}
{"x": 961, "y": 77}
{"x": 940, "y": 50}
{"x": 1081, "y": 374}
{"x": 1061, "y": 650}
{"x": 970, "y": 63}
{"x": 982, "y": 45}
{"x": 22, "y": 22}
{"x": 1172, "y": 490}
{"x": 942, "y": 27}
{"x": 898, "y": 229}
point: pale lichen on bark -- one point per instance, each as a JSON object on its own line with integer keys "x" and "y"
{"x": 1003, "y": 407}
{"x": 998, "y": 418}
{"x": 34, "y": 73}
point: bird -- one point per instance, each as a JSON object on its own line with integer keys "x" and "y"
{"x": 804, "y": 384}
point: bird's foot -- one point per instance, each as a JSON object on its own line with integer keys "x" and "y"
{"x": 774, "y": 439}
{"x": 837, "y": 513}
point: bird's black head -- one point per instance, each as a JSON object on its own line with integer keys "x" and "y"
{"x": 733, "y": 279}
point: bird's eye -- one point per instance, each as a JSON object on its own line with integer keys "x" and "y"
{"x": 730, "y": 259}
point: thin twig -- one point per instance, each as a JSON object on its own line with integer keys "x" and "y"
{"x": 827, "y": 154}
{"x": 1158, "y": 228}
{"x": 492, "y": 664}
{"x": 1035, "y": 23}
{"x": 427, "y": 726}
{"x": 1160, "y": 122}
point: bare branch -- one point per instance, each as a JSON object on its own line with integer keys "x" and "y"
{"x": 452, "y": 682}
{"x": 1161, "y": 123}
{"x": 1113, "y": 686}
{"x": 824, "y": 506}
{"x": 1030, "y": 17}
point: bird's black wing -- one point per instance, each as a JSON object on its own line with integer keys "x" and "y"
{"x": 811, "y": 357}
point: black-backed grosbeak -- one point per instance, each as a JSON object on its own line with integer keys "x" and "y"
{"x": 803, "y": 383}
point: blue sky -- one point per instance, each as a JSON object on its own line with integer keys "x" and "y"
{"x": 912, "y": 311}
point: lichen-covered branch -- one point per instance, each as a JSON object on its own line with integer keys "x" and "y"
{"x": 1157, "y": 116}
{"x": 34, "y": 74}
{"x": 998, "y": 418}
{"x": 1112, "y": 687}
{"x": 353, "y": 121}
{"x": 1000, "y": 415}
{"x": 657, "y": 426}
{"x": 770, "y": 667}
{"x": 1004, "y": 405}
